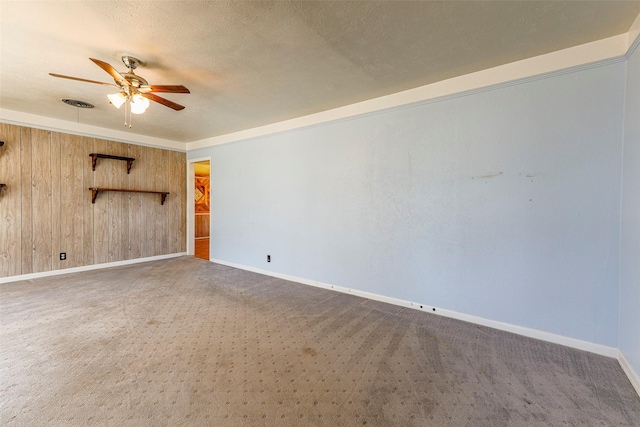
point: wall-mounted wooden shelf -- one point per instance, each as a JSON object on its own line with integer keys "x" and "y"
{"x": 96, "y": 156}
{"x": 96, "y": 190}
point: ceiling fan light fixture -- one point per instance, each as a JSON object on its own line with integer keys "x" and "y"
{"x": 117, "y": 99}
{"x": 134, "y": 91}
{"x": 139, "y": 104}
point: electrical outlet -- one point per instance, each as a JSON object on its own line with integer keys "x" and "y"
{"x": 63, "y": 256}
{"x": 268, "y": 258}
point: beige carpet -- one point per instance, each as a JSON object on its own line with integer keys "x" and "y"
{"x": 185, "y": 342}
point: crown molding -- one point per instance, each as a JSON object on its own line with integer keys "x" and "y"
{"x": 597, "y": 53}
{"x": 633, "y": 36}
{"x": 41, "y": 122}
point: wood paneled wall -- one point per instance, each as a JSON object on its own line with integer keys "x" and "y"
{"x": 46, "y": 207}
{"x": 201, "y": 225}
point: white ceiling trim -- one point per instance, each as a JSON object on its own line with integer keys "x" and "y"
{"x": 57, "y": 125}
{"x": 634, "y": 32}
{"x": 611, "y": 48}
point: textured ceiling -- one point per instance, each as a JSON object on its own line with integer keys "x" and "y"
{"x": 249, "y": 64}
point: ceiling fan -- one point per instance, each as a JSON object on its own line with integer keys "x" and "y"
{"x": 134, "y": 91}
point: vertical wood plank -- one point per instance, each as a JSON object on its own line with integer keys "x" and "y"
{"x": 162, "y": 211}
{"x": 27, "y": 204}
{"x": 55, "y": 201}
{"x": 149, "y": 209}
{"x": 100, "y": 208}
{"x": 176, "y": 186}
{"x": 201, "y": 225}
{"x": 173, "y": 206}
{"x": 10, "y": 202}
{"x": 41, "y": 193}
{"x": 143, "y": 164}
{"x": 114, "y": 169}
{"x": 71, "y": 200}
{"x": 124, "y": 207}
{"x": 126, "y": 203}
{"x": 134, "y": 213}
{"x": 182, "y": 191}
{"x": 144, "y": 214}
{"x": 157, "y": 178}
{"x": 87, "y": 206}
{"x": 169, "y": 205}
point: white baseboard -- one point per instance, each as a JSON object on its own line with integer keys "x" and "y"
{"x": 86, "y": 268}
{"x": 633, "y": 376}
{"x": 520, "y": 330}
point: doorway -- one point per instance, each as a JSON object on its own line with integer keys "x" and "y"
{"x": 202, "y": 209}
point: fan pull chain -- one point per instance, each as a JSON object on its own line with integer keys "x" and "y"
{"x": 127, "y": 112}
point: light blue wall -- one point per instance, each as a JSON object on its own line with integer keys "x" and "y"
{"x": 630, "y": 231}
{"x": 503, "y": 204}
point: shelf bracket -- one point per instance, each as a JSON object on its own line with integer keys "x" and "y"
{"x": 96, "y": 156}
{"x": 163, "y": 197}
{"x": 94, "y": 194}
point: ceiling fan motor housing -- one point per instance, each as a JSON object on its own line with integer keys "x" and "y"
{"x": 135, "y": 80}
{"x": 131, "y": 62}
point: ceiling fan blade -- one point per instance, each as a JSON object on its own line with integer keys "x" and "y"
{"x": 112, "y": 72}
{"x": 164, "y": 88}
{"x": 81, "y": 80}
{"x": 163, "y": 101}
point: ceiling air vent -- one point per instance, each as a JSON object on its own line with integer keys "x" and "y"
{"x": 76, "y": 103}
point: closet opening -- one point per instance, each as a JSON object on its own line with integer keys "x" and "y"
{"x": 202, "y": 210}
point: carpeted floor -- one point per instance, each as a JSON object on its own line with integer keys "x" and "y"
{"x": 185, "y": 342}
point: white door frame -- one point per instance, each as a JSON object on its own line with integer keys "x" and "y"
{"x": 191, "y": 209}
